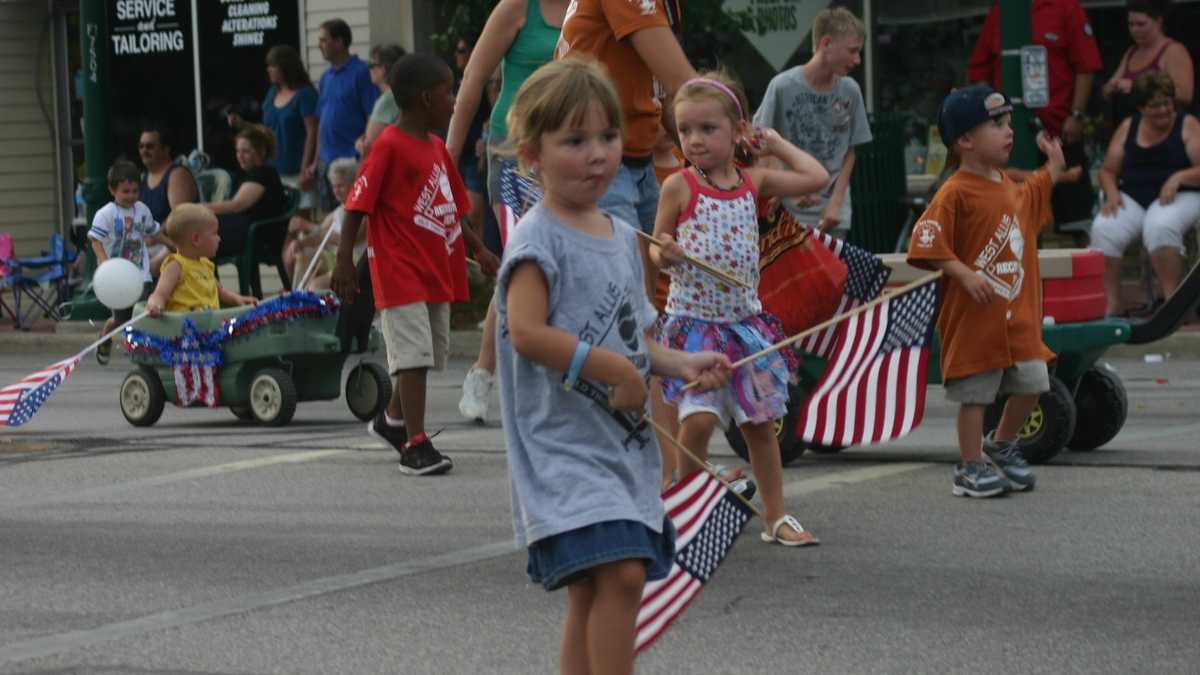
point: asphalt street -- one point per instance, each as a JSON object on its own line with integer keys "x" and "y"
{"x": 209, "y": 545}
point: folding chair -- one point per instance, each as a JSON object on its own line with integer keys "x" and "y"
{"x": 6, "y": 253}
{"x": 214, "y": 185}
{"x": 263, "y": 249}
{"x": 47, "y": 289}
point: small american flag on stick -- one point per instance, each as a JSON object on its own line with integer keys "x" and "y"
{"x": 21, "y": 401}
{"x": 708, "y": 518}
{"x": 873, "y": 389}
{"x": 518, "y": 194}
{"x": 865, "y": 278}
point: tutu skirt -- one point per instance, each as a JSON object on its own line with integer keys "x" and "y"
{"x": 759, "y": 389}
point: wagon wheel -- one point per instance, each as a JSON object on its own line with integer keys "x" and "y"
{"x": 368, "y": 390}
{"x": 142, "y": 397}
{"x": 242, "y": 412}
{"x": 273, "y": 397}
{"x": 790, "y": 447}
{"x": 1100, "y": 399}
{"x": 1047, "y": 429}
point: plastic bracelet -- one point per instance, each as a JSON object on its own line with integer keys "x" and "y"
{"x": 582, "y": 349}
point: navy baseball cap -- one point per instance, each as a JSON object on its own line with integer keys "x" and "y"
{"x": 968, "y": 107}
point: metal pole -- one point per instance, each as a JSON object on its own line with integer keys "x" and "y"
{"x": 62, "y": 126}
{"x": 97, "y": 148}
{"x": 196, "y": 77}
{"x": 1016, "y": 30}
{"x": 869, "y": 54}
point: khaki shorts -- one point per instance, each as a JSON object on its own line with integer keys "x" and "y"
{"x": 416, "y": 335}
{"x": 1026, "y": 377}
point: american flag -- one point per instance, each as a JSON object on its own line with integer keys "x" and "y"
{"x": 21, "y": 401}
{"x": 866, "y": 275}
{"x": 873, "y": 389}
{"x": 196, "y": 382}
{"x": 707, "y": 518}
{"x": 518, "y": 193}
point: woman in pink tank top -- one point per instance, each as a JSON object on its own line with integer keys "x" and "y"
{"x": 1152, "y": 50}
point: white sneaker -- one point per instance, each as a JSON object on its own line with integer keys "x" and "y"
{"x": 477, "y": 391}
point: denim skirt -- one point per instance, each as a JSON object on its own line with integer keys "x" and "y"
{"x": 565, "y": 558}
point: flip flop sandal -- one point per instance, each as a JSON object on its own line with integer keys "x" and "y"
{"x": 770, "y": 536}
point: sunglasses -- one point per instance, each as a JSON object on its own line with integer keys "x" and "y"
{"x": 374, "y": 64}
{"x": 462, "y": 50}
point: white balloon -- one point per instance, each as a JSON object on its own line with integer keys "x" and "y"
{"x": 118, "y": 283}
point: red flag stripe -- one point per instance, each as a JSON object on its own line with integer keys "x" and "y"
{"x": 912, "y": 362}
{"x": 922, "y": 376}
{"x": 899, "y": 393}
{"x": 872, "y": 403}
{"x": 687, "y": 525}
{"x": 680, "y": 602}
{"x": 847, "y": 393}
{"x": 658, "y": 594}
{"x": 817, "y": 418}
{"x": 684, "y": 491}
{"x": 869, "y": 337}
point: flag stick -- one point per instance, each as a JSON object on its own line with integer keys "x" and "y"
{"x": 111, "y": 333}
{"x": 312, "y": 264}
{"x": 825, "y": 324}
{"x": 705, "y": 465}
{"x": 724, "y": 276}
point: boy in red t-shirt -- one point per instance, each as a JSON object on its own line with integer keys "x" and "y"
{"x": 411, "y": 190}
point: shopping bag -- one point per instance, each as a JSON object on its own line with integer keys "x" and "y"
{"x": 801, "y": 279}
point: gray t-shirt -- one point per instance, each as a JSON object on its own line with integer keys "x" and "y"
{"x": 823, "y": 124}
{"x": 572, "y": 460}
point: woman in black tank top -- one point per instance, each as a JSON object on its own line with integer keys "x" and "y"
{"x": 1151, "y": 183}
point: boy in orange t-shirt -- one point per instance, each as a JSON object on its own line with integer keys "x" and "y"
{"x": 981, "y": 230}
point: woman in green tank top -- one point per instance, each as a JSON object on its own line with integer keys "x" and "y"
{"x": 519, "y": 36}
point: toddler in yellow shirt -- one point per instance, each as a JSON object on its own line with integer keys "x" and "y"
{"x": 187, "y": 280}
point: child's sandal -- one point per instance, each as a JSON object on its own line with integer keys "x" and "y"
{"x": 771, "y": 535}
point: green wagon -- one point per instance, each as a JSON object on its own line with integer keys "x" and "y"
{"x": 264, "y": 374}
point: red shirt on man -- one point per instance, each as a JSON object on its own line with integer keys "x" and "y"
{"x": 414, "y": 197}
{"x": 1062, "y": 27}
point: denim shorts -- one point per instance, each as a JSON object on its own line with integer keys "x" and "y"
{"x": 472, "y": 178}
{"x": 633, "y": 196}
{"x": 565, "y": 558}
{"x": 497, "y": 164}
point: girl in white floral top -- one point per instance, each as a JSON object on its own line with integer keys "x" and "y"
{"x": 708, "y": 212}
